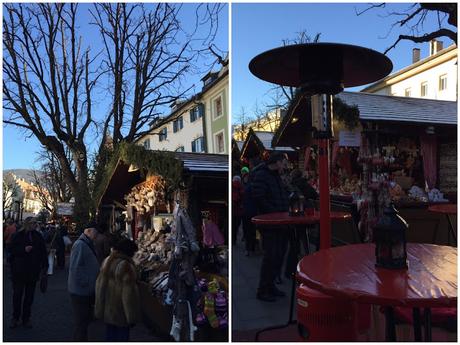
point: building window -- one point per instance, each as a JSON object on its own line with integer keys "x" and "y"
{"x": 146, "y": 144}
{"x": 180, "y": 149}
{"x": 217, "y": 107}
{"x": 163, "y": 134}
{"x": 198, "y": 145}
{"x": 424, "y": 89}
{"x": 407, "y": 92}
{"x": 178, "y": 124}
{"x": 219, "y": 142}
{"x": 196, "y": 112}
{"x": 443, "y": 82}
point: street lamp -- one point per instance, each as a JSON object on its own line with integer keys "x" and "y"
{"x": 321, "y": 70}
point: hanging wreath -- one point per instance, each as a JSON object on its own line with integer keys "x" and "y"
{"x": 347, "y": 114}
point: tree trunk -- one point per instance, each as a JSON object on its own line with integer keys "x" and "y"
{"x": 82, "y": 196}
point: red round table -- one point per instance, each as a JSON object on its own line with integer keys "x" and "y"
{"x": 350, "y": 272}
{"x": 447, "y": 209}
{"x": 283, "y": 218}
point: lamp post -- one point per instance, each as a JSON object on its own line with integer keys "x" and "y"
{"x": 321, "y": 70}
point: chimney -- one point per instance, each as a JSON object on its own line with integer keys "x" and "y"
{"x": 415, "y": 55}
{"x": 435, "y": 46}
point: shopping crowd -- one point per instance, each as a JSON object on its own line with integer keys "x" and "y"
{"x": 266, "y": 189}
{"x": 102, "y": 279}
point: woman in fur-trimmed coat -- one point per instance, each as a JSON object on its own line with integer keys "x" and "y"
{"x": 117, "y": 293}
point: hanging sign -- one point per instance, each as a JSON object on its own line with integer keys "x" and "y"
{"x": 65, "y": 208}
{"x": 349, "y": 138}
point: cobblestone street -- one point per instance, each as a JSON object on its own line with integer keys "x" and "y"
{"x": 52, "y": 317}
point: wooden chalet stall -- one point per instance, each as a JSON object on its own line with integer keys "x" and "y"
{"x": 139, "y": 202}
{"x": 384, "y": 147}
{"x": 257, "y": 147}
{"x": 236, "y": 154}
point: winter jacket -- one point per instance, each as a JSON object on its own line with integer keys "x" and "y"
{"x": 83, "y": 267}
{"x": 211, "y": 235}
{"x": 268, "y": 191}
{"x": 237, "y": 198}
{"x": 117, "y": 293}
{"x": 302, "y": 185}
{"x": 249, "y": 205}
{"x": 27, "y": 266}
{"x": 102, "y": 246}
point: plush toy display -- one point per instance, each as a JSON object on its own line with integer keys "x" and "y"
{"x": 213, "y": 306}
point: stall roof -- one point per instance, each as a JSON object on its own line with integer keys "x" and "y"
{"x": 295, "y": 128}
{"x": 402, "y": 109}
{"x": 203, "y": 161}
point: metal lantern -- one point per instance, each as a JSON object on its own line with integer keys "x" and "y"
{"x": 390, "y": 240}
{"x": 296, "y": 204}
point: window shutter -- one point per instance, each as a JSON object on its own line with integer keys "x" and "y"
{"x": 201, "y": 110}
{"x": 192, "y": 115}
{"x": 193, "y": 146}
{"x": 202, "y": 144}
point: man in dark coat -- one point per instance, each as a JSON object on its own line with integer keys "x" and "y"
{"x": 270, "y": 195}
{"x": 249, "y": 211}
{"x": 28, "y": 260}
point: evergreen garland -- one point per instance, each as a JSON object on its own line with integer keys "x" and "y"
{"x": 161, "y": 163}
{"x": 348, "y": 114}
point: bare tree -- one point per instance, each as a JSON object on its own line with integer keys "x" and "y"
{"x": 49, "y": 77}
{"x": 50, "y": 182}
{"x": 147, "y": 54}
{"x": 413, "y": 20}
{"x": 47, "y": 86}
{"x": 241, "y": 120}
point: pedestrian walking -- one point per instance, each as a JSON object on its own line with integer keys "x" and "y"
{"x": 28, "y": 262}
{"x": 270, "y": 195}
{"x": 237, "y": 206}
{"x": 83, "y": 271}
{"x": 249, "y": 211}
{"x": 60, "y": 245}
{"x": 117, "y": 292}
{"x": 103, "y": 244}
{"x": 8, "y": 233}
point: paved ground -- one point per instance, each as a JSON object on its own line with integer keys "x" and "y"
{"x": 248, "y": 313}
{"x": 52, "y": 317}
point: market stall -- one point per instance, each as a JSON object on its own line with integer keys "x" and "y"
{"x": 385, "y": 148}
{"x": 174, "y": 205}
{"x": 257, "y": 147}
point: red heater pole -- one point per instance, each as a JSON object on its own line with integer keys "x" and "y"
{"x": 324, "y": 196}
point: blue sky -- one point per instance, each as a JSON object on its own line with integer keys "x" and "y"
{"x": 20, "y": 151}
{"x": 256, "y": 28}
{"x": 260, "y": 27}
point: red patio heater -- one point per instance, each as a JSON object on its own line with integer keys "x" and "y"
{"x": 321, "y": 70}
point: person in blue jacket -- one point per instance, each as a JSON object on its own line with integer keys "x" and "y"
{"x": 83, "y": 272}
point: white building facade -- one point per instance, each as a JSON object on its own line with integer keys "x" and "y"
{"x": 435, "y": 77}
{"x": 195, "y": 125}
